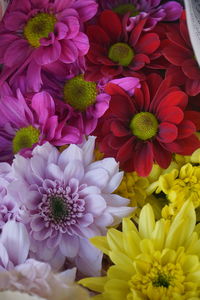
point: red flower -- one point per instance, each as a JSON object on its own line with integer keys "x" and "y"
{"x": 113, "y": 51}
{"x": 178, "y": 51}
{"x": 148, "y": 127}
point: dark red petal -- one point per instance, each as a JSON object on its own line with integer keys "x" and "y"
{"x": 185, "y": 129}
{"x": 126, "y": 151}
{"x": 139, "y": 62}
{"x": 148, "y": 43}
{"x": 177, "y": 98}
{"x": 118, "y": 129}
{"x": 170, "y": 114}
{"x": 184, "y": 146}
{"x": 176, "y": 74}
{"x": 154, "y": 81}
{"x": 97, "y": 35}
{"x": 143, "y": 158}
{"x": 122, "y": 107}
{"x": 111, "y": 71}
{"x": 136, "y": 32}
{"x": 191, "y": 69}
{"x": 111, "y": 24}
{"x": 192, "y": 87}
{"x": 161, "y": 156}
{"x": 193, "y": 116}
{"x": 167, "y": 132}
{"x": 141, "y": 98}
{"x": 176, "y": 55}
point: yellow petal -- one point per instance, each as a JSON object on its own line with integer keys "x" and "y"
{"x": 101, "y": 243}
{"x": 115, "y": 241}
{"x": 146, "y": 221}
{"x": 94, "y": 283}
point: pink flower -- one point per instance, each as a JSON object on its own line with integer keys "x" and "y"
{"x": 36, "y": 34}
{"x": 26, "y": 122}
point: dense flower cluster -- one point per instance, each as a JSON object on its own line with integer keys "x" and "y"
{"x": 99, "y": 151}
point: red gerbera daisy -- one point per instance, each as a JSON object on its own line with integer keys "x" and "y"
{"x": 148, "y": 127}
{"x": 113, "y": 50}
{"x": 179, "y": 52}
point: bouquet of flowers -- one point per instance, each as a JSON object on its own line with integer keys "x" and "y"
{"x": 99, "y": 151}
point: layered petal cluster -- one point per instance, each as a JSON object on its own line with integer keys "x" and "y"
{"x": 177, "y": 49}
{"x": 157, "y": 261}
{"x": 69, "y": 200}
{"x": 148, "y": 127}
{"x": 20, "y": 273}
{"x": 28, "y": 121}
{"x": 140, "y": 9}
{"x": 115, "y": 51}
{"x": 36, "y": 34}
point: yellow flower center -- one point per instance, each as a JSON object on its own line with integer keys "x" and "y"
{"x": 25, "y": 138}
{"x": 144, "y": 125}
{"x": 125, "y": 8}
{"x": 159, "y": 281}
{"x": 121, "y": 53}
{"x": 39, "y": 27}
{"x": 80, "y": 93}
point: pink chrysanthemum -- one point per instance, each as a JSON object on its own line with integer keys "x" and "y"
{"x": 139, "y": 9}
{"x": 69, "y": 200}
{"x": 36, "y": 34}
{"x": 25, "y": 123}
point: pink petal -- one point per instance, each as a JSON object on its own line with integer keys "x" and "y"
{"x": 49, "y": 54}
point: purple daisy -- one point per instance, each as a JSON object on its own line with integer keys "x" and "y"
{"x": 69, "y": 200}
{"x": 36, "y": 34}
{"x": 26, "y": 122}
{"x": 139, "y": 9}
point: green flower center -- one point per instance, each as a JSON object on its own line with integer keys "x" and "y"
{"x": 162, "y": 280}
{"x": 80, "y": 93}
{"x": 121, "y": 53}
{"x": 39, "y": 27}
{"x": 58, "y": 208}
{"x": 124, "y": 8}
{"x": 144, "y": 125}
{"x": 25, "y": 138}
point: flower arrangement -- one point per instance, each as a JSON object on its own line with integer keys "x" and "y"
{"x": 99, "y": 151}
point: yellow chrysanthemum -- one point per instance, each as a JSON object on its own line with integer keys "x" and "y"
{"x": 158, "y": 261}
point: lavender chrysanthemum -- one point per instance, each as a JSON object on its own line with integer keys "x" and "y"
{"x": 69, "y": 200}
{"x": 139, "y": 9}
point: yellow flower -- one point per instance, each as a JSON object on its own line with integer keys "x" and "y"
{"x": 180, "y": 185}
{"x": 158, "y": 261}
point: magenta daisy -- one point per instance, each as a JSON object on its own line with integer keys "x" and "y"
{"x": 26, "y": 122}
{"x": 139, "y": 9}
{"x": 36, "y": 34}
{"x": 69, "y": 200}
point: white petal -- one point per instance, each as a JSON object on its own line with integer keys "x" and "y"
{"x": 73, "y": 169}
{"x": 54, "y": 172}
{"x": 88, "y": 150}
{"x": 95, "y": 204}
{"x": 16, "y": 240}
{"x": 98, "y": 177}
{"x": 113, "y": 183}
{"x": 73, "y": 152}
{"x": 69, "y": 245}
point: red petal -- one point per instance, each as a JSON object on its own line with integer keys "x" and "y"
{"x": 161, "y": 156}
{"x": 122, "y": 107}
{"x": 111, "y": 24}
{"x": 186, "y": 129}
{"x": 176, "y": 55}
{"x": 136, "y": 32}
{"x": 148, "y": 43}
{"x": 170, "y": 114}
{"x": 167, "y": 132}
{"x": 192, "y": 87}
{"x": 119, "y": 129}
{"x": 97, "y": 35}
{"x": 193, "y": 116}
{"x": 176, "y": 74}
{"x": 177, "y": 98}
{"x": 184, "y": 146}
{"x": 126, "y": 151}
{"x": 143, "y": 158}
{"x": 191, "y": 69}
